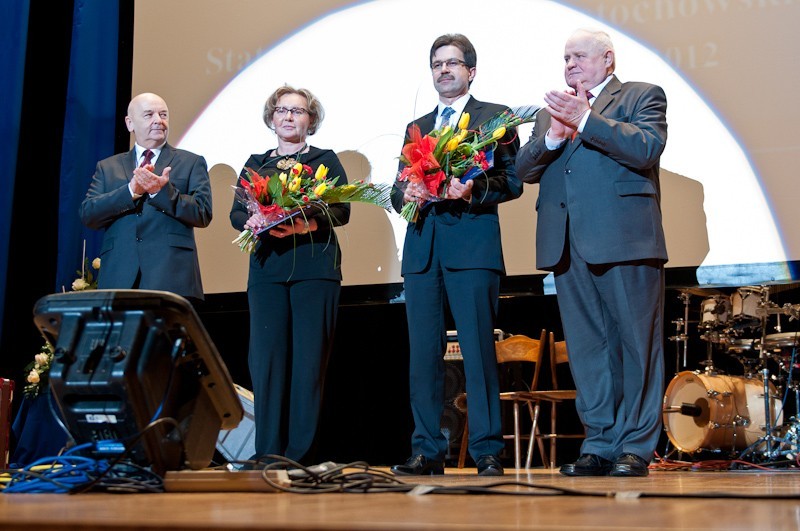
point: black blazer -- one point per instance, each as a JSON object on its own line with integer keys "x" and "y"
{"x": 468, "y": 234}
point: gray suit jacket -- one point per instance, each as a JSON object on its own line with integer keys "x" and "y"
{"x": 606, "y": 182}
{"x": 154, "y": 235}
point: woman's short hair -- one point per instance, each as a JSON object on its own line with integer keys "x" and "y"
{"x": 315, "y": 110}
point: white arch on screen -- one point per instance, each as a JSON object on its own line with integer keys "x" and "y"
{"x": 368, "y": 64}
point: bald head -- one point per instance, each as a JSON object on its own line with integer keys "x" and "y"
{"x": 148, "y": 120}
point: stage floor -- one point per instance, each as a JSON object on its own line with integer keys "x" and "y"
{"x": 537, "y": 499}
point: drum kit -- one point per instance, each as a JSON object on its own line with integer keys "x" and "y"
{"x": 738, "y": 414}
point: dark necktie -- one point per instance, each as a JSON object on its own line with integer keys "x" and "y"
{"x": 446, "y": 114}
{"x": 148, "y": 156}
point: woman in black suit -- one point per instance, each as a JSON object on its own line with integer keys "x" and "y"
{"x": 293, "y": 287}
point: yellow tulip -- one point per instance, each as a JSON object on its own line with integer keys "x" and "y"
{"x": 295, "y": 185}
{"x": 462, "y": 135}
{"x": 463, "y": 122}
{"x": 452, "y": 144}
{"x": 320, "y": 189}
{"x": 282, "y": 178}
{"x": 297, "y": 168}
{"x": 322, "y": 172}
{"x": 498, "y": 133}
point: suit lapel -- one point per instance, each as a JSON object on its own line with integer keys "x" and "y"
{"x": 164, "y": 158}
{"x": 607, "y": 95}
{"x": 129, "y": 164}
{"x": 475, "y": 110}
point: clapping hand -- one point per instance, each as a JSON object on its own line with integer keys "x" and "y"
{"x": 145, "y": 180}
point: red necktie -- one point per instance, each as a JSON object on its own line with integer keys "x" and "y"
{"x": 148, "y": 156}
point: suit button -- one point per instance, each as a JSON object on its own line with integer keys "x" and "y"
{"x": 562, "y": 205}
{"x": 567, "y": 171}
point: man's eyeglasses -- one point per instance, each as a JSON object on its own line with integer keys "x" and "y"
{"x": 451, "y": 64}
{"x": 296, "y": 111}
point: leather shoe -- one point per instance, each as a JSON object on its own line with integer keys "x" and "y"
{"x": 489, "y": 465}
{"x": 419, "y": 465}
{"x": 587, "y": 465}
{"x": 629, "y": 465}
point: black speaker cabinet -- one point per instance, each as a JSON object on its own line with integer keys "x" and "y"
{"x": 136, "y": 375}
{"x": 453, "y": 417}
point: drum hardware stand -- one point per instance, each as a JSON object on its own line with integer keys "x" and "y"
{"x": 766, "y": 308}
{"x": 708, "y": 363}
{"x": 681, "y": 336}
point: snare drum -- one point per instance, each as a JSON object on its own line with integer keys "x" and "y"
{"x": 723, "y": 413}
{"x": 716, "y": 311}
{"x": 782, "y": 341}
{"x": 744, "y": 303}
{"x": 781, "y": 346}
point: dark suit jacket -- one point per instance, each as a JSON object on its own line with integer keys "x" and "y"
{"x": 154, "y": 235}
{"x": 606, "y": 182}
{"x": 472, "y": 229}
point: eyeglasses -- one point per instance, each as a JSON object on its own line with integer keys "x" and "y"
{"x": 451, "y": 64}
{"x": 296, "y": 111}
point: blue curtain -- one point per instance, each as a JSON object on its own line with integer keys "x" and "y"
{"x": 88, "y": 126}
{"x": 13, "y": 38}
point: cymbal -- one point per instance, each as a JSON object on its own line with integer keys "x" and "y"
{"x": 701, "y": 292}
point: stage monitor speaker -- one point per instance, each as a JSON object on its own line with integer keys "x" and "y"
{"x": 239, "y": 443}
{"x": 137, "y": 376}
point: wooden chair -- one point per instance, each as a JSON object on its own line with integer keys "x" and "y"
{"x": 559, "y": 357}
{"x": 522, "y": 350}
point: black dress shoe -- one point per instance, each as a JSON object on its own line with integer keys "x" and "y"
{"x": 489, "y": 465}
{"x": 629, "y": 465}
{"x": 419, "y": 465}
{"x": 587, "y": 465}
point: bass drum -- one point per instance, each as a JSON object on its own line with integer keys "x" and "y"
{"x": 716, "y": 412}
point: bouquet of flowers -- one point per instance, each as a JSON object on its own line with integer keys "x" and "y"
{"x": 283, "y": 196}
{"x": 445, "y": 153}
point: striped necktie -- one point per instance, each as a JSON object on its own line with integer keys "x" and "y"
{"x": 147, "y": 157}
{"x": 446, "y": 114}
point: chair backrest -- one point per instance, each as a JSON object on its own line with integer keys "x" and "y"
{"x": 558, "y": 356}
{"x": 520, "y": 348}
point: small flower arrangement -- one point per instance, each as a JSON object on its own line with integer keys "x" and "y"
{"x": 86, "y": 280}
{"x": 283, "y": 196}
{"x": 37, "y": 371}
{"x": 446, "y": 153}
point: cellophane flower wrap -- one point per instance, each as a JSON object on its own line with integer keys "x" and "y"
{"x": 285, "y": 195}
{"x": 444, "y": 153}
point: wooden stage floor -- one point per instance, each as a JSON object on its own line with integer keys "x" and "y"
{"x": 537, "y": 499}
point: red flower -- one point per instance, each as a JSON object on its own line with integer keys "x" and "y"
{"x": 480, "y": 160}
{"x": 257, "y": 186}
{"x": 422, "y": 164}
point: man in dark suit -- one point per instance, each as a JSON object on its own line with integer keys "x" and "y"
{"x": 595, "y": 154}
{"x": 148, "y": 201}
{"x": 452, "y": 254}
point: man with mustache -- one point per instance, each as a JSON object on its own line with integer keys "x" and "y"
{"x": 452, "y": 256}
